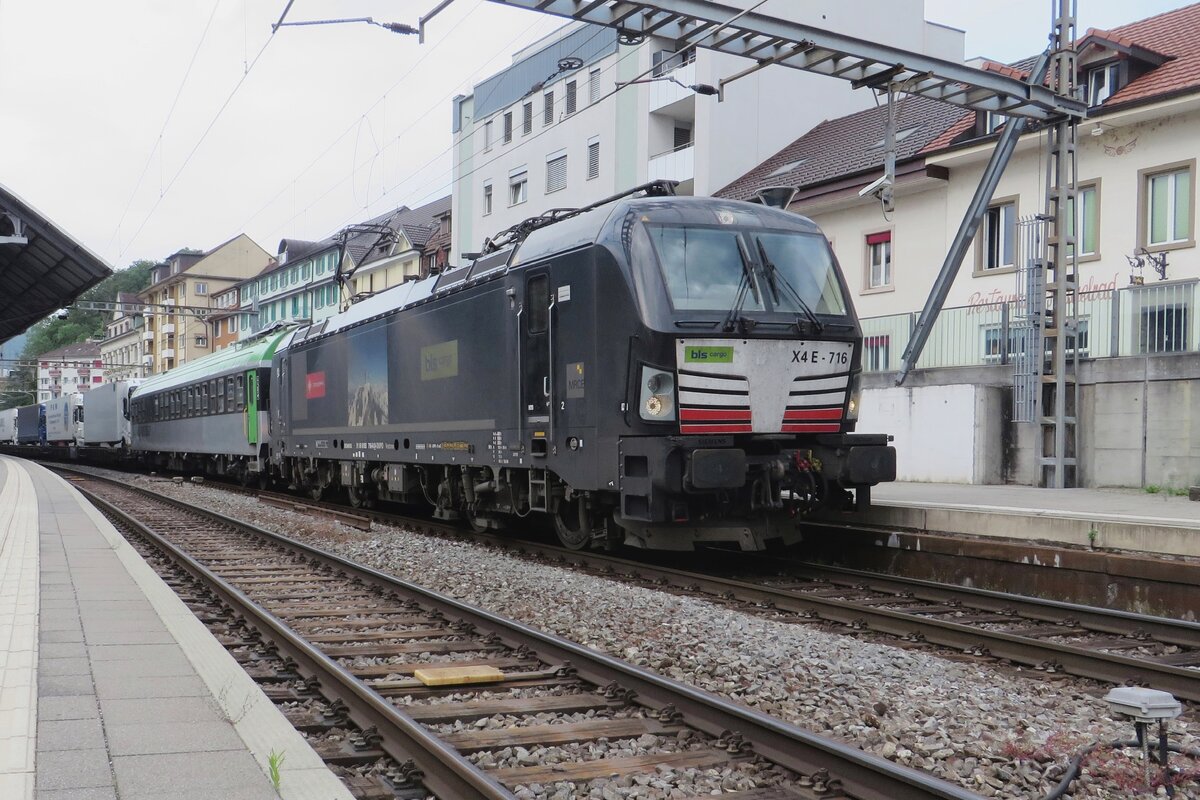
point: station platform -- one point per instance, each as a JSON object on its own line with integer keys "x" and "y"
{"x": 1120, "y": 519}
{"x": 109, "y": 686}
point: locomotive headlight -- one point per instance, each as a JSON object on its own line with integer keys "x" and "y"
{"x": 657, "y": 395}
{"x": 855, "y": 396}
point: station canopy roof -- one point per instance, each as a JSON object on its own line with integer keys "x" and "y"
{"x": 42, "y": 268}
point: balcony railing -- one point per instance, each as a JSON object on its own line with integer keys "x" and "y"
{"x": 665, "y": 92}
{"x": 1131, "y": 321}
{"x": 674, "y": 165}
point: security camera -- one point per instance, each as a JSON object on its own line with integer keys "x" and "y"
{"x": 876, "y": 186}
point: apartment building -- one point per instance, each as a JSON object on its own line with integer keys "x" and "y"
{"x": 121, "y": 349}
{"x": 69, "y": 369}
{"x": 190, "y": 278}
{"x": 1138, "y": 264}
{"x": 224, "y": 322}
{"x": 298, "y": 286}
{"x": 553, "y": 130}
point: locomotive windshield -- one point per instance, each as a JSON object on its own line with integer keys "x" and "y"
{"x": 704, "y": 268}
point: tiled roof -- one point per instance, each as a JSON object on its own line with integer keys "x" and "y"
{"x": 847, "y": 145}
{"x": 417, "y": 224}
{"x": 81, "y": 350}
{"x": 1175, "y": 34}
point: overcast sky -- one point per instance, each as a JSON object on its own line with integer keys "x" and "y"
{"x": 331, "y": 125}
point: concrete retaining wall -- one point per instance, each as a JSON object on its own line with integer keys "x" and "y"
{"x": 1139, "y": 417}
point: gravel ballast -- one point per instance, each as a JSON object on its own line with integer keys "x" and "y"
{"x": 994, "y": 729}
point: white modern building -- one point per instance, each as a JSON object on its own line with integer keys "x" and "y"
{"x": 553, "y": 130}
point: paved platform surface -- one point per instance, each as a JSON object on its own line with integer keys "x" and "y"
{"x": 109, "y": 686}
{"x": 1131, "y": 503}
{"x": 1122, "y": 519}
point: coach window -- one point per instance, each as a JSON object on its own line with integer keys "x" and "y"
{"x": 220, "y": 395}
{"x": 204, "y": 398}
{"x": 241, "y": 392}
{"x": 229, "y": 394}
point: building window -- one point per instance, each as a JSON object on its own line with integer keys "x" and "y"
{"x": 594, "y": 86}
{"x": 1102, "y": 82}
{"x": 556, "y": 173}
{"x": 518, "y": 187}
{"x": 1089, "y": 220}
{"x": 231, "y": 324}
{"x": 488, "y": 133}
{"x": 1163, "y": 329}
{"x": 593, "y": 169}
{"x": 571, "y": 97}
{"x": 1168, "y": 207}
{"x": 548, "y": 108}
{"x": 877, "y": 352}
{"x": 508, "y": 127}
{"x": 201, "y": 288}
{"x": 201, "y": 341}
{"x": 527, "y": 119}
{"x": 487, "y": 199}
{"x": 879, "y": 260}
{"x": 998, "y": 244}
{"x": 683, "y": 137}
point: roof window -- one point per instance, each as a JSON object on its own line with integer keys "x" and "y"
{"x": 788, "y": 167}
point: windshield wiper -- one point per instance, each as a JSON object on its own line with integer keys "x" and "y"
{"x": 775, "y": 277}
{"x": 746, "y": 283}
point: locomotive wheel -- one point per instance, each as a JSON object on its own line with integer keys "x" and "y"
{"x": 359, "y": 498}
{"x": 573, "y": 524}
{"x": 316, "y": 491}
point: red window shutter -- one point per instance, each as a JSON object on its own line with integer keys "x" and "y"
{"x": 879, "y": 238}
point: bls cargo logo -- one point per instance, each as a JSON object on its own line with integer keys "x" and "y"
{"x": 708, "y": 355}
{"x": 314, "y": 385}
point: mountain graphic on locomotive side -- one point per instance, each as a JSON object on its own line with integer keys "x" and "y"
{"x": 655, "y": 370}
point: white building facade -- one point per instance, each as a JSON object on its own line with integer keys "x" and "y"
{"x": 538, "y": 136}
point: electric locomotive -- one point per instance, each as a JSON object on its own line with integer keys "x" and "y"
{"x": 651, "y": 369}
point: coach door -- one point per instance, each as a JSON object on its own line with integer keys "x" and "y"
{"x": 252, "y": 406}
{"x": 535, "y": 361}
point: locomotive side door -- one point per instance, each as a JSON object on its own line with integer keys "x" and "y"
{"x": 534, "y": 327}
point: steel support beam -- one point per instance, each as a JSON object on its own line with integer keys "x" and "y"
{"x": 966, "y": 231}
{"x": 712, "y": 25}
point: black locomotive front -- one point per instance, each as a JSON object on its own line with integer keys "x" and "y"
{"x": 743, "y": 376}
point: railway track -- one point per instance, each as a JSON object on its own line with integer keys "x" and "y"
{"x": 1050, "y": 636}
{"x": 357, "y": 657}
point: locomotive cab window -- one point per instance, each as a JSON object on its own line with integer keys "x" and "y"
{"x": 803, "y": 263}
{"x": 704, "y": 268}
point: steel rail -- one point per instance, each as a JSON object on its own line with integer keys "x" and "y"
{"x": 1108, "y": 667}
{"x": 444, "y": 771}
{"x": 1112, "y": 668}
{"x": 860, "y": 774}
{"x": 1183, "y": 633}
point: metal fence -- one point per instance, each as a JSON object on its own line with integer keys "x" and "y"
{"x": 1135, "y": 320}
